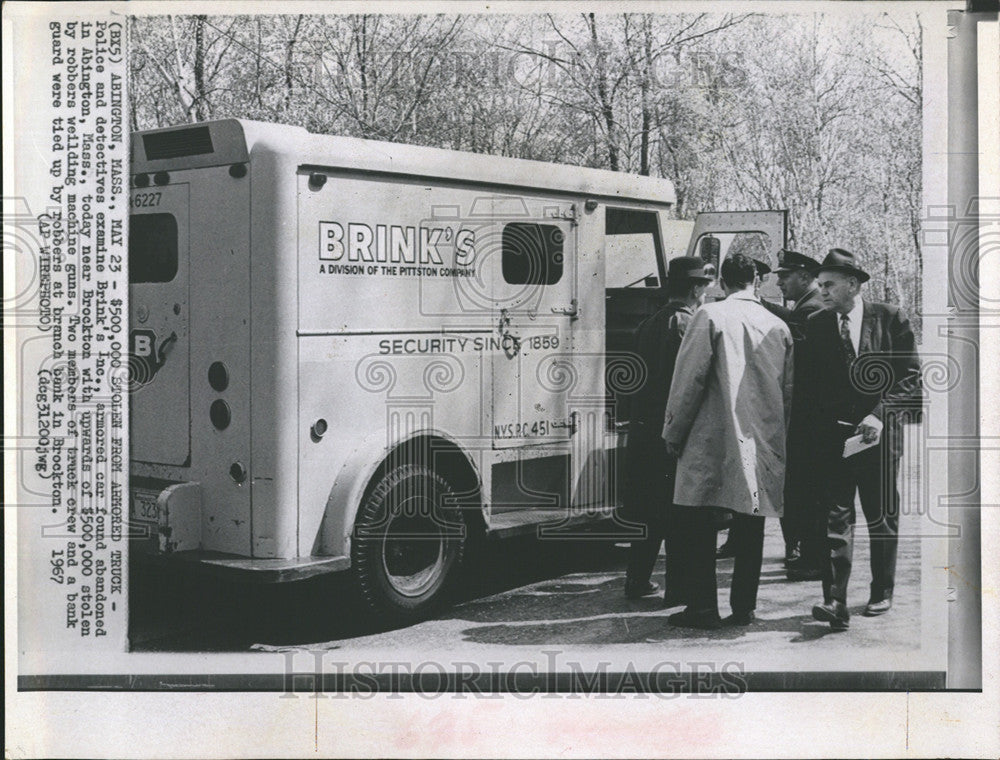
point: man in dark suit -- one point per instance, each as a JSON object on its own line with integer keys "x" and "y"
{"x": 861, "y": 377}
{"x": 649, "y": 485}
{"x": 803, "y": 530}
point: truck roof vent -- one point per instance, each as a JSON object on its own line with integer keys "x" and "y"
{"x": 194, "y": 141}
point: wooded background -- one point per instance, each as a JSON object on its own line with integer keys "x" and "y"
{"x": 817, "y": 114}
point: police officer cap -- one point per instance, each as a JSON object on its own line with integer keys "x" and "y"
{"x": 791, "y": 261}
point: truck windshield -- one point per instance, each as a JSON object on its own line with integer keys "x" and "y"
{"x": 152, "y": 248}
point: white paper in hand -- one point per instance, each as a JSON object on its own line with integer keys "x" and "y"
{"x": 856, "y": 444}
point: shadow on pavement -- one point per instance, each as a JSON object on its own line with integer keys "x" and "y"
{"x": 182, "y": 611}
{"x": 633, "y": 629}
{"x": 514, "y": 592}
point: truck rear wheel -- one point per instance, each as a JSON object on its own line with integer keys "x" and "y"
{"x": 408, "y": 544}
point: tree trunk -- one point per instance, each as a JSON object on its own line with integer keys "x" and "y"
{"x": 289, "y": 55}
{"x": 200, "y": 104}
{"x": 644, "y": 83}
{"x": 604, "y": 98}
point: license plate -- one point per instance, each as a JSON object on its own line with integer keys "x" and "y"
{"x": 144, "y": 506}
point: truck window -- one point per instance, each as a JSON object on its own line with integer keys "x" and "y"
{"x": 532, "y": 253}
{"x": 714, "y": 247}
{"x": 152, "y": 248}
{"x": 752, "y": 243}
{"x": 630, "y": 245}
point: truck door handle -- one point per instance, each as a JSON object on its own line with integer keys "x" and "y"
{"x": 571, "y": 311}
{"x": 570, "y": 422}
{"x": 165, "y": 349}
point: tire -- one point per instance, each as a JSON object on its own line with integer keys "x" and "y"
{"x": 408, "y": 545}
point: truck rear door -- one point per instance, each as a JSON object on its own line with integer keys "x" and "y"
{"x": 159, "y": 346}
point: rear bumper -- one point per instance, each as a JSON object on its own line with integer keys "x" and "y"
{"x": 164, "y": 516}
{"x": 244, "y": 569}
{"x": 166, "y": 531}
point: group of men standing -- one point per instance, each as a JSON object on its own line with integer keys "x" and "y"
{"x": 756, "y": 410}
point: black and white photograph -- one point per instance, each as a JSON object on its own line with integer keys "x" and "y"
{"x": 501, "y": 380}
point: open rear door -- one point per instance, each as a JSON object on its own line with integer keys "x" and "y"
{"x": 761, "y": 234}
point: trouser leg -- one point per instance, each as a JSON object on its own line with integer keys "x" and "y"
{"x": 813, "y": 523}
{"x": 748, "y": 532}
{"x": 879, "y": 495}
{"x": 802, "y": 512}
{"x": 790, "y": 520}
{"x": 642, "y": 555}
{"x": 803, "y": 482}
{"x": 646, "y": 495}
{"x": 788, "y": 527}
{"x": 697, "y": 537}
{"x": 676, "y": 563}
{"x": 838, "y": 502}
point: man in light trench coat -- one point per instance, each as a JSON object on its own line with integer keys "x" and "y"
{"x": 726, "y": 422}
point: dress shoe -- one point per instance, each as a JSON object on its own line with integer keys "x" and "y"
{"x": 637, "y": 590}
{"x": 799, "y": 572}
{"x": 707, "y": 620}
{"x": 739, "y": 618}
{"x": 835, "y": 613}
{"x": 882, "y": 606}
{"x": 791, "y": 554}
{"x": 725, "y": 551}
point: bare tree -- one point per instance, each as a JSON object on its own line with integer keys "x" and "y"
{"x": 377, "y": 71}
{"x": 807, "y": 113}
{"x": 609, "y": 69}
{"x": 187, "y": 58}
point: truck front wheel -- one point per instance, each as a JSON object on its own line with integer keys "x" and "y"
{"x": 408, "y": 543}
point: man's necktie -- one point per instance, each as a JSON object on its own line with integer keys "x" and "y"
{"x": 845, "y": 338}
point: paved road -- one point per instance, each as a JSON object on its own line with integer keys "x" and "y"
{"x": 529, "y": 596}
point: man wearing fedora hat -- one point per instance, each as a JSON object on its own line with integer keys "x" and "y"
{"x": 860, "y": 371}
{"x": 649, "y": 484}
{"x": 803, "y": 531}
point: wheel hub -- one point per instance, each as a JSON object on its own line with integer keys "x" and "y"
{"x": 414, "y": 548}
